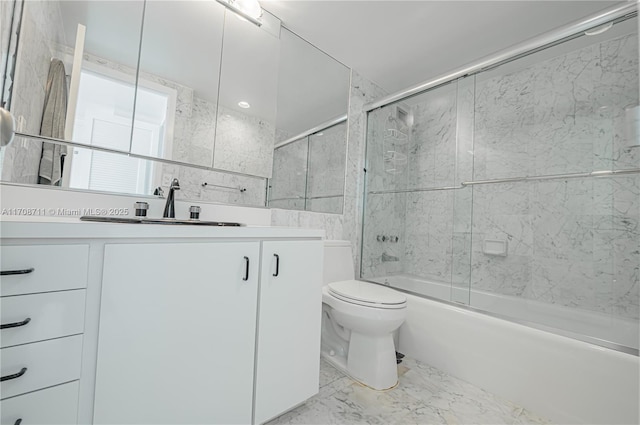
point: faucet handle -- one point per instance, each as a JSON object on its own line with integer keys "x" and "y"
{"x": 159, "y": 192}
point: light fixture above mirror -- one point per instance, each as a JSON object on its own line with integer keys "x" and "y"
{"x": 248, "y": 9}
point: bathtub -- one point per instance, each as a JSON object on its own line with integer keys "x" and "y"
{"x": 589, "y": 326}
{"x": 561, "y": 378}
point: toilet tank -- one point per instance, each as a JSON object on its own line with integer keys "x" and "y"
{"x": 338, "y": 261}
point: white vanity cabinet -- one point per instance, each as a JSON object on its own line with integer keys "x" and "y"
{"x": 177, "y": 333}
{"x": 43, "y": 317}
{"x": 142, "y": 324}
{"x": 288, "y": 361}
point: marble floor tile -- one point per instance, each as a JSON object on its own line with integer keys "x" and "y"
{"x": 424, "y": 395}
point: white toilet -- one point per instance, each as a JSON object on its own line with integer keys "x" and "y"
{"x": 358, "y": 321}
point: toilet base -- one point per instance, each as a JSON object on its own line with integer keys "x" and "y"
{"x": 372, "y": 362}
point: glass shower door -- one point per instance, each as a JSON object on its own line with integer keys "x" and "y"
{"x": 416, "y": 227}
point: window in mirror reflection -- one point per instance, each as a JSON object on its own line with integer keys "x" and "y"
{"x": 112, "y": 172}
{"x": 101, "y": 121}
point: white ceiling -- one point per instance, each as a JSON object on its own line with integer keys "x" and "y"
{"x": 398, "y": 44}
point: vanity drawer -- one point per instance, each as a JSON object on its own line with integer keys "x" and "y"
{"x": 52, "y": 406}
{"x": 55, "y": 267}
{"x": 47, "y": 363}
{"x": 38, "y": 317}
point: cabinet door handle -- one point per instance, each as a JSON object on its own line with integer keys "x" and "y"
{"x": 16, "y": 324}
{"x": 246, "y": 269}
{"x": 18, "y": 422}
{"x": 12, "y": 272}
{"x": 277, "y": 265}
{"x": 14, "y": 376}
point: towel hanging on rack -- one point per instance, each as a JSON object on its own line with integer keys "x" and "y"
{"x": 53, "y": 121}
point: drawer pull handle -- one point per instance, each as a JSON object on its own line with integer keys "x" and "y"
{"x": 277, "y": 265}
{"x": 16, "y": 324}
{"x": 12, "y": 272}
{"x": 246, "y": 269}
{"x": 14, "y": 376}
{"x": 18, "y": 422}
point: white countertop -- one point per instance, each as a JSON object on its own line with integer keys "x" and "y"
{"x": 73, "y": 228}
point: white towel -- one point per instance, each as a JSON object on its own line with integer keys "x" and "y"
{"x": 53, "y": 120}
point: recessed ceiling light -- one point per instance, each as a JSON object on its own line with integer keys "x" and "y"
{"x": 320, "y": 134}
{"x": 244, "y": 104}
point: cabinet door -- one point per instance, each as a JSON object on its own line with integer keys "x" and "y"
{"x": 177, "y": 333}
{"x": 288, "y": 358}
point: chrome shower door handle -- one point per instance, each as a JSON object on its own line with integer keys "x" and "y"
{"x": 277, "y": 265}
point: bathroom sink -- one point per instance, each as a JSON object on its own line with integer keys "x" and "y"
{"x": 145, "y": 220}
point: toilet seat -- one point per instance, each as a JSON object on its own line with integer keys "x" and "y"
{"x": 367, "y": 294}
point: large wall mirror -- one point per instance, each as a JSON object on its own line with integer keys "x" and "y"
{"x": 309, "y": 173}
{"x": 167, "y": 83}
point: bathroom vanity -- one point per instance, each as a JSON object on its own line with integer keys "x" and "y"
{"x": 137, "y": 323}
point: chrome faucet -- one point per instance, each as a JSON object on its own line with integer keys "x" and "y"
{"x": 386, "y": 258}
{"x": 169, "y": 207}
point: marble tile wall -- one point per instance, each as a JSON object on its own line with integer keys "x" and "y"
{"x": 346, "y": 226}
{"x": 191, "y": 188}
{"x": 332, "y": 224}
{"x": 6, "y": 14}
{"x": 570, "y": 242}
{"x": 243, "y": 143}
{"x": 40, "y": 34}
{"x": 309, "y": 174}
{"x": 363, "y": 91}
{"x": 327, "y": 156}
{"x": 289, "y": 178}
{"x": 387, "y": 170}
{"x": 432, "y": 164}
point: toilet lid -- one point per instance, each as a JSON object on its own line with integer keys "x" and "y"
{"x": 365, "y": 293}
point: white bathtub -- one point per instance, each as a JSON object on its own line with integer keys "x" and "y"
{"x": 563, "y": 379}
{"x": 588, "y": 326}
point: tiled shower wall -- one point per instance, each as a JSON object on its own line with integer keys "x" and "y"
{"x": 572, "y": 242}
